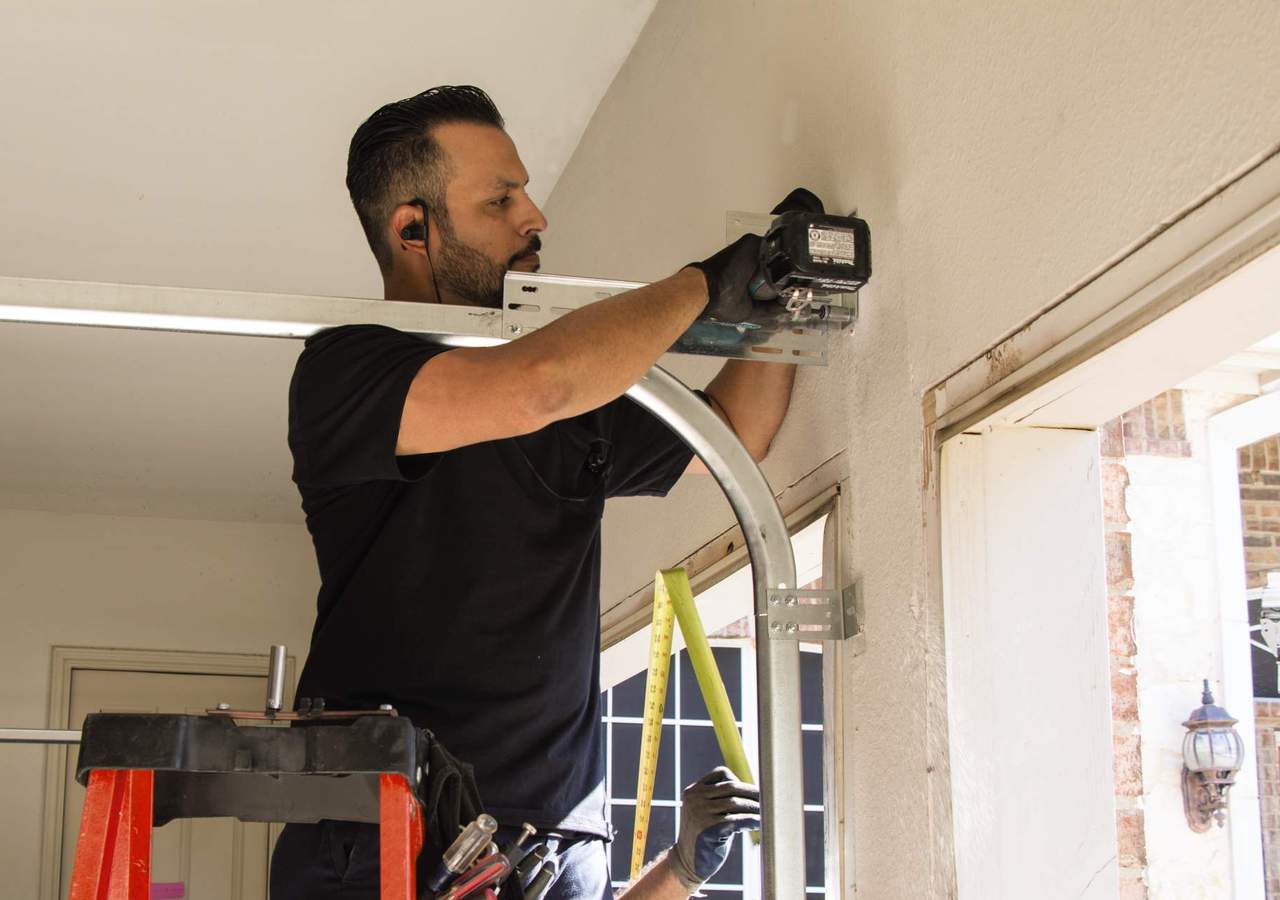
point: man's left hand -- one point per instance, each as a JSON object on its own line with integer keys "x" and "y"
{"x": 713, "y": 809}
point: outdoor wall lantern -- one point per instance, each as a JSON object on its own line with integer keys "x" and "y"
{"x": 1212, "y": 753}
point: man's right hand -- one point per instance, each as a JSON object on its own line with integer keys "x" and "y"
{"x": 729, "y": 274}
{"x": 733, "y": 273}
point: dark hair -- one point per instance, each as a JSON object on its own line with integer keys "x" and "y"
{"x": 393, "y": 157}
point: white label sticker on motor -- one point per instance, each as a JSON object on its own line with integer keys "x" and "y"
{"x": 833, "y": 246}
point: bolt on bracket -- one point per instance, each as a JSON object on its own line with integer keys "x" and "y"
{"x": 812, "y": 615}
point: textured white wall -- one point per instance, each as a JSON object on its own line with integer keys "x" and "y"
{"x": 1002, "y": 152}
{"x": 156, "y": 584}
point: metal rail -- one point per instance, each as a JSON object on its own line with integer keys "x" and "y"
{"x": 777, "y": 661}
{"x": 530, "y": 302}
{"x": 38, "y": 736}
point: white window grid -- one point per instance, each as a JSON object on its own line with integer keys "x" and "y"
{"x": 749, "y": 886}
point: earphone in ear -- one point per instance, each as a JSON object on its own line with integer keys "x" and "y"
{"x": 416, "y": 231}
{"x": 419, "y": 231}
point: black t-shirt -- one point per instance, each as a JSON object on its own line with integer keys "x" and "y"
{"x": 463, "y": 587}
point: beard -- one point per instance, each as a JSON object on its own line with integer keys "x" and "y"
{"x": 470, "y": 274}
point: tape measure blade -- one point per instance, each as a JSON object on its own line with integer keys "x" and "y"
{"x": 655, "y": 696}
{"x": 714, "y": 695}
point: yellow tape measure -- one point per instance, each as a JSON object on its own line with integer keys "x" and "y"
{"x": 672, "y": 600}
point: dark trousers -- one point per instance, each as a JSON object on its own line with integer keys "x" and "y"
{"x": 340, "y": 860}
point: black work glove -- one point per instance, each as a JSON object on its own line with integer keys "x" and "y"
{"x": 713, "y": 809}
{"x": 735, "y": 278}
{"x": 729, "y": 274}
{"x": 799, "y": 200}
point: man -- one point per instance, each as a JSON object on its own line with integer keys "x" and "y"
{"x": 454, "y": 497}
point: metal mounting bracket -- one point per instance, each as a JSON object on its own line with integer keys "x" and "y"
{"x": 531, "y": 301}
{"x": 812, "y": 615}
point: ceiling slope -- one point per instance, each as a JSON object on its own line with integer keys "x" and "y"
{"x": 203, "y": 144}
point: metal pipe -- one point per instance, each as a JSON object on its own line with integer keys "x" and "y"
{"x": 38, "y": 736}
{"x": 275, "y": 679}
{"x": 777, "y": 661}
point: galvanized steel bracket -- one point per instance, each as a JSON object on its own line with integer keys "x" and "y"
{"x": 812, "y": 615}
{"x": 531, "y": 301}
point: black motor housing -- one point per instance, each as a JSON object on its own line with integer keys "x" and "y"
{"x": 813, "y": 251}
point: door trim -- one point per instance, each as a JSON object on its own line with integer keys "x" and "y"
{"x": 1229, "y": 430}
{"x": 1031, "y": 368}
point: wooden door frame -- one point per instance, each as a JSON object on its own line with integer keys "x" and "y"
{"x": 64, "y": 661}
{"x": 1086, "y": 359}
{"x": 1229, "y": 430}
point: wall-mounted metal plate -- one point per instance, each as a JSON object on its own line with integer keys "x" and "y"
{"x": 532, "y": 301}
{"x": 810, "y": 615}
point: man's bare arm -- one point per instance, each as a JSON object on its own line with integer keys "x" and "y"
{"x": 657, "y": 882}
{"x": 575, "y": 364}
{"x": 752, "y": 398}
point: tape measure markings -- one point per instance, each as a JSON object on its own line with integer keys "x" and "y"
{"x": 655, "y": 699}
{"x": 672, "y": 602}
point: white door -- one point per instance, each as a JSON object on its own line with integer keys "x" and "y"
{"x": 196, "y": 859}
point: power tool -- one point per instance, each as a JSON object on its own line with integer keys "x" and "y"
{"x": 807, "y": 255}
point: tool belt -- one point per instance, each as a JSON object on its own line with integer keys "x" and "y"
{"x": 450, "y": 803}
{"x": 449, "y": 796}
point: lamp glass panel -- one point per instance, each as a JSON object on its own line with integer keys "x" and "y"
{"x": 1198, "y": 751}
{"x": 1213, "y": 749}
{"x": 1222, "y": 749}
{"x": 1233, "y": 755}
{"x": 1191, "y": 751}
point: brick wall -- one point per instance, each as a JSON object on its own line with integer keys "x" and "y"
{"x": 1260, "y": 504}
{"x": 1267, "y": 722}
{"x": 1116, "y": 436}
{"x": 1260, "y": 500}
{"x": 1156, "y": 428}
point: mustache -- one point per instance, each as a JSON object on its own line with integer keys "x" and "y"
{"x": 534, "y": 245}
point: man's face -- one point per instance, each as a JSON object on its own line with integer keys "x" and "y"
{"x": 492, "y": 225}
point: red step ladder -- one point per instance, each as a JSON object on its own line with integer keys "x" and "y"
{"x": 113, "y": 850}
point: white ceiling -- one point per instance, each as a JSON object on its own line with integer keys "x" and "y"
{"x": 149, "y": 423}
{"x": 203, "y": 144}
{"x": 1252, "y": 371}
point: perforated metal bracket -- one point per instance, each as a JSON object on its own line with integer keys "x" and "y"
{"x": 809, "y": 615}
{"x": 531, "y": 301}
